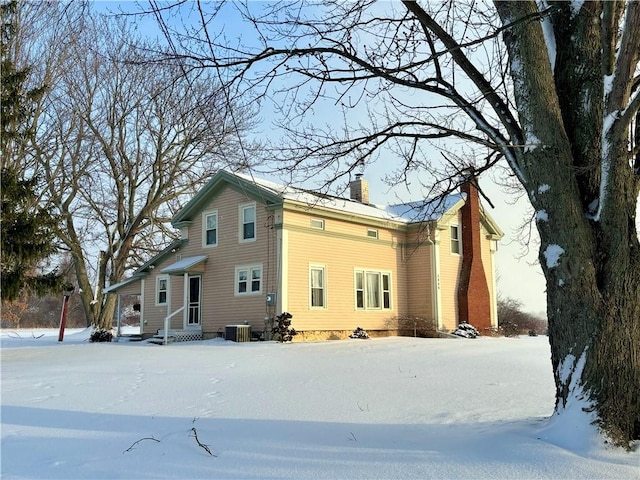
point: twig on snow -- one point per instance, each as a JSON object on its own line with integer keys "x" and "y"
{"x": 17, "y": 335}
{"x": 138, "y": 441}
{"x": 200, "y": 444}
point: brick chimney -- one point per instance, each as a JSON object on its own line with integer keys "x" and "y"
{"x": 359, "y": 189}
{"x": 474, "y": 301}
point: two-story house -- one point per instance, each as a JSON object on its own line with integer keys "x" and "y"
{"x": 250, "y": 249}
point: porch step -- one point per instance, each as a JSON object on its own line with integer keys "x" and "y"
{"x": 159, "y": 339}
{"x": 132, "y": 337}
{"x": 177, "y": 336}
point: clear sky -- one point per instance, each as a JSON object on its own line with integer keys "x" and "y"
{"x": 519, "y": 275}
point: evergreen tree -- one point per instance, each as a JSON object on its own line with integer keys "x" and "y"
{"x": 27, "y": 229}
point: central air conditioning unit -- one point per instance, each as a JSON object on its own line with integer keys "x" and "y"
{"x": 237, "y": 333}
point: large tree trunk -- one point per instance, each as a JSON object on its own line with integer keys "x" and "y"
{"x": 577, "y": 176}
{"x": 575, "y": 87}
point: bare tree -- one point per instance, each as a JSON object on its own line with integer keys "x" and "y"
{"x": 121, "y": 144}
{"x": 491, "y": 76}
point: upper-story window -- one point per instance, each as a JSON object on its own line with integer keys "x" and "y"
{"x": 372, "y": 233}
{"x": 247, "y": 222}
{"x": 162, "y": 289}
{"x": 317, "y": 223}
{"x": 455, "y": 239}
{"x": 210, "y": 237}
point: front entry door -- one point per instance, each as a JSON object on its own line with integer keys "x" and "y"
{"x": 193, "y": 320}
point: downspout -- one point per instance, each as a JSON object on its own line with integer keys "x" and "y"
{"x": 435, "y": 280}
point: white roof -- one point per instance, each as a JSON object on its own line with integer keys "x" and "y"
{"x": 428, "y": 209}
{"x": 185, "y": 264}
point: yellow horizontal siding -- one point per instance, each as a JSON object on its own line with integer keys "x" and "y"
{"x": 342, "y": 247}
{"x": 219, "y": 304}
{"x": 450, "y": 264}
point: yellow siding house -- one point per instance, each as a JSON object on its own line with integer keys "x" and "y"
{"x": 250, "y": 249}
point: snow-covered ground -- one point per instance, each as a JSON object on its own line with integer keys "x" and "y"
{"x": 381, "y": 408}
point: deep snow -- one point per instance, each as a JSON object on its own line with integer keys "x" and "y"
{"x": 377, "y": 408}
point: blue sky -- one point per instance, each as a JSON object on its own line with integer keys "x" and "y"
{"x": 519, "y": 276}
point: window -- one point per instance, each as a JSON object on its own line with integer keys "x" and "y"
{"x": 373, "y": 290}
{"x": 210, "y": 229}
{"x": 317, "y": 223}
{"x": 372, "y": 233}
{"x": 247, "y": 222}
{"x": 249, "y": 280}
{"x": 372, "y": 285}
{"x": 455, "y": 239}
{"x": 359, "y": 289}
{"x": 386, "y": 291}
{"x": 162, "y": 290}
{"x": 317, "y": 286}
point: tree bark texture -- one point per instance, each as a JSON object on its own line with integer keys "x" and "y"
{"x": 578, "y": 176}
{"x": 573, "y": 72}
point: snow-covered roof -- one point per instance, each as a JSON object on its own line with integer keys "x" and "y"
{"x": 416, "y": 211}
{"x": 119, "y": 285}
{"x": 184, "y": 265}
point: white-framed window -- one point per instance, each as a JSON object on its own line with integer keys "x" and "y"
{"x": 248, "y": 222}
{"x": 455, "y": 239}
{"x": 372, "y": 233}
{"x": 372, "y": 290}
{"x": 359, "y": 283}
{"x": 248, "y": 280}
{"x": 162, "y": 290}
{"x": 317, "y": 223}
{"x": 210, "y": 229}
{"x": 317, "y": 286}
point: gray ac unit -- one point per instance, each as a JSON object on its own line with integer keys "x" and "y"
{"x": 237, "y": 333}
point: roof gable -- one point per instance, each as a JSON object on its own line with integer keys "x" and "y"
{"x": 273, "y": 194}
{"x": 220, "y": 181}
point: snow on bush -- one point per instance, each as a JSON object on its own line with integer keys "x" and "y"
{"x": 466, "y": 330}
{"x": 101, "y": 335}
{"x": 282, "y": 331}
{"x": 359, "y": 333}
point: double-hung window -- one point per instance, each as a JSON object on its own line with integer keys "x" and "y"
{"x": 162, "y": 289}
{"x": 455, "y": 239}
{"x": 317, "y": 286}
{"x": 248, "y": 280}
{"x": 247, "y": 222}
{"x": 210, "y": 222}
{"x": 372, "y": 290}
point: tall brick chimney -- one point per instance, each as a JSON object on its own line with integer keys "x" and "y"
{"x": 474, "y": 301}
{"x": 359, "y": 189}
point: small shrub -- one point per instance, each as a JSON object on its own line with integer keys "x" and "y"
{"x": 415, "y": 326}
{"x": 359, "y": 333}
{"x": 282, "y": 331}
{"x": 101, "y": 335}
{"x": 466, "y": 330}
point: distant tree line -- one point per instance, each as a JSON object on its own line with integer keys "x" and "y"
{"x": 513, "y": 320}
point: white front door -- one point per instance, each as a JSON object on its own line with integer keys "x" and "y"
{"x": 193, "y": 317}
